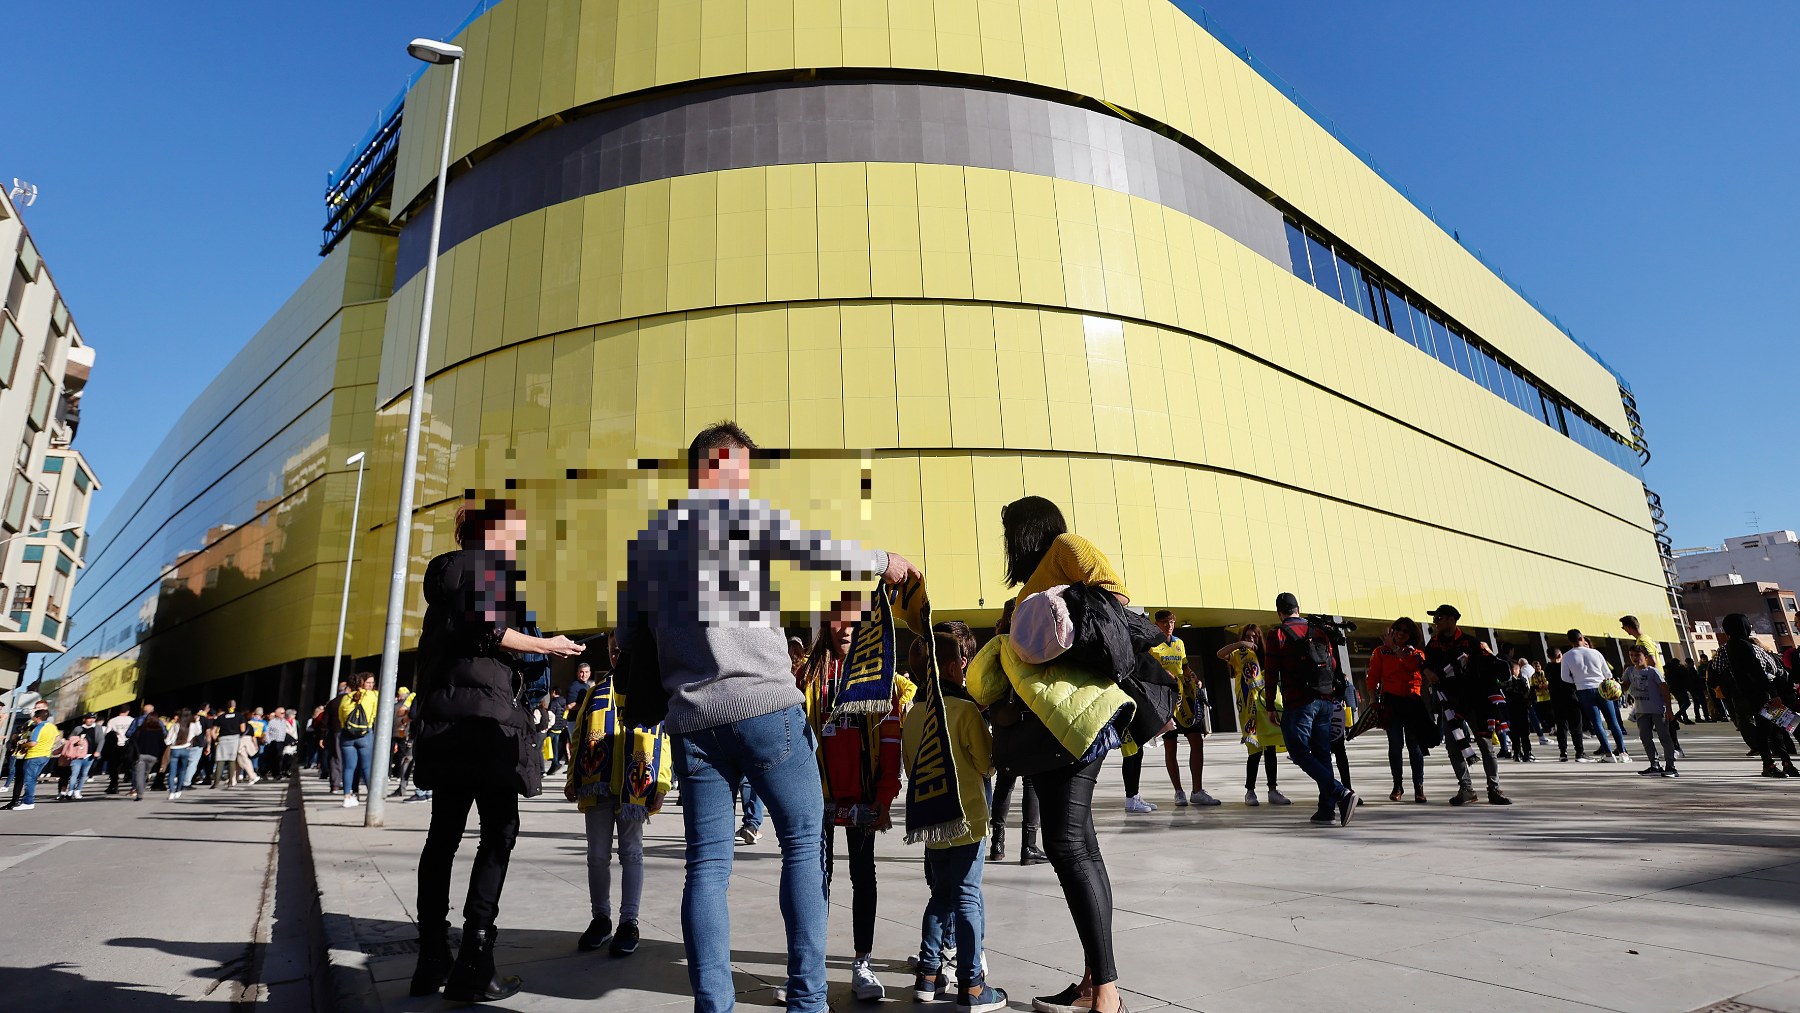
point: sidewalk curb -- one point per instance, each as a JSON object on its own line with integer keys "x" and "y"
{"x": 342, "y": 980}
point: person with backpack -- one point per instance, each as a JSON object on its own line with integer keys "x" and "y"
{"x": 353, "y": 718}
{"x": 1304, "y": 660}
{"x": 1760, "y": 686}
{"x": 1466, "y": 678}
{"x": 76, "y": 755}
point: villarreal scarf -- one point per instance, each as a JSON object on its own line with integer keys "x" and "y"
{"x": 867, "y": 686}
{"x": 934, "y": 810}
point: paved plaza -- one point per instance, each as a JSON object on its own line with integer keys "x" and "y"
{"x": 1600, "y": 889}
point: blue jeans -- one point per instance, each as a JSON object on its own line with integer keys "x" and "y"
{"x": 1604, "y": 717}
{"x": 32, "y": 770}
{"x": 355, "y": 754}
{"x": 78, "y": 772}
{"x": 954, "y": 913}
{"x": 183, "y": 762}
{"x": 1307, "y": 729}
{"x": 753, "y": 807}
{"x": 774, "y": 752}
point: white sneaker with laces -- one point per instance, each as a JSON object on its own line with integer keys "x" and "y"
{"x": 1624, "y": 757}
{"x": 25, "y": 806}
{"x": 1136, "y": 805}
{"x": 350, "y": 802}
{"x": 863, "y": 983}
{"x": 1250, "y": 798}
{"x": 1277, "y": 798}
{"x": 1181, "y": 799}
{"x": 1200, "y": 797}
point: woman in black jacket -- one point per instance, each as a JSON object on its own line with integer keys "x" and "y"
{"x": 473, "y": 741}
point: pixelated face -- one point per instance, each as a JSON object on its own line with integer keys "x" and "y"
{"x": 729, "y": 468}
{"x": 507, "y": 535}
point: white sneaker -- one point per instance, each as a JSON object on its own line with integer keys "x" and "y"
{"x": 1202, "y": 798}
{"x": 174, "y": 796}
{"x": 1607, "y": 758}
{"x": 1251, "y": 799}
{"x": 1543, "y": 740}
{"x": 77, "y": 795}
{"x": 779, "y": 995}
{"x": 255, "y": 780}
{"x": 22, "y": 806}
{"x": 1624, "y": 757}
{"x": 1181, "y": 800}
{"x": 350, "y": 802}
{"x": 1136, "y": 804}
{"x": 1277, "y": 798}
{"x": 1680, "y": 754}
{"x": 863, "y": 983}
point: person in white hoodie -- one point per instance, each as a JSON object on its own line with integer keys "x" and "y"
{"x": 1586, "y": 668}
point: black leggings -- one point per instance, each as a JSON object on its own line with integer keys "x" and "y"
{"x": 499, "y": 809}
{"x": 861, "y": 841}
{"x": 1341, "y": 750}
{"x": 1003, "y": 791}
{"x": 1267, "y": 756}
{"x": 1133, "y": 769}
{"x": 1066, "y": 800}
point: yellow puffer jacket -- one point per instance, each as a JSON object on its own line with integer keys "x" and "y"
{"x": 1074, "y": 705}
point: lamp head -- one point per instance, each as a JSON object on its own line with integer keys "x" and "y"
{"x": 353, "y": 458}
{"x": 433, "y": 51}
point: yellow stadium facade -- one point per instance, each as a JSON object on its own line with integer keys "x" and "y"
{"x": 936, "y": 256}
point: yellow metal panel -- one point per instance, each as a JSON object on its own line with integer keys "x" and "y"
{"x": 602, "y": 256}
{"x": 975, "y": 381}
{"x": 944, "y": 231}
{"x": 871, "y": 413}
{"x": 894, "y": 257}
{"x": 762, "y": 378}
{"x": 865, "y": 33}
{"x": 1024, "y": 398}
{"x": 596, "y": 49}
{"x": 793, "y": 232}
{"x": 1002, "y": 38}
{"x": 562, "y": 55}
{"x": 645, "y": 282}
{"x": 635, "y": 53}
{"x": 693, "y": 240}
{"x": 816, "y": 379}
{"x": 678, "y": 41}
{"x": 524, "y": 278}
{"x": 743, "y": 242}
{"x": 958, "y": 37}
{"x": 496, "y": 58}
{"x": 527, "y": 65}
{"x": 818, "y": 33}
{"x": 912, "y": 33}
{"x": 922, "y": 375}
{"x": 490, "y": 289}
{"x": 1084, "y": 276}
{"x": 844, "y": 269}
{"x": 771, "y": 34}
{"x": 724, "y": 37}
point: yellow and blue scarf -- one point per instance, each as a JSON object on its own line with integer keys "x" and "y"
{"x": 934, "y": 812}
{"x": 614, "y": 764}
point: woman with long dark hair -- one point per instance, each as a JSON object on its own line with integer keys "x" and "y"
{"x": 1041, "y": 553}
{"x": 473, "y": 744}
{"x": 1396, "y": 679}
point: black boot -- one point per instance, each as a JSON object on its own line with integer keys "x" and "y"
{"x": 1029, "y": 852}
{"x": 997, "y": 846}
{"x": 434, "y": 963}
{"x": 472, "y": 979}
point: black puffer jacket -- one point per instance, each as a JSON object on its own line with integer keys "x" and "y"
{"x": 469, "y": 725}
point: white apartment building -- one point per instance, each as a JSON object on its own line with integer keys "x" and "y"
{"x": 1768, "y": 557}
{"x": 46, "y": 494}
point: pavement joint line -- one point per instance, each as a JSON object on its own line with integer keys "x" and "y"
{"x": 85, "y": 834}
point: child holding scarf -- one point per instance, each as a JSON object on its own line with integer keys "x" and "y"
{"x": 618, "y": 776}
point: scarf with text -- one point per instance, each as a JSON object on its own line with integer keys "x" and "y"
{"x": 934, "y": 811}
{"x": 867, "y": 686}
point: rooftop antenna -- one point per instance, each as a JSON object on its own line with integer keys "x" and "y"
{"x": 1755, "y": 520}
{"x": 29, "y": 191}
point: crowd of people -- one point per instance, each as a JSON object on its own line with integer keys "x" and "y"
{"x": 703, "y": 693}
{"x": 888, "y": 720}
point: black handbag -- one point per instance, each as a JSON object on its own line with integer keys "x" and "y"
{"x": 1154, "y": 695}
{"x": 638, "y": 678}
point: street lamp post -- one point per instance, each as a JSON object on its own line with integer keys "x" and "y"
{"x": 374, "y": 815}
{"x": 337, "y": 656}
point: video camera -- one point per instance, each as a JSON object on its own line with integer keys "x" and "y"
{"x": 1338, "y": 630}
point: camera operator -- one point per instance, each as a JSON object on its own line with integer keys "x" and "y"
{"x": 1304, "y": 655}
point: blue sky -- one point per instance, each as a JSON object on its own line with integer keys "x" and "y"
{"x": 1630, "y": 164}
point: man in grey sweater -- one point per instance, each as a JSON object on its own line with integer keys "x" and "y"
{"x": 698, "y": 575}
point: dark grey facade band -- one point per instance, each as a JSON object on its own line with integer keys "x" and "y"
{"x": 797, "y": 123}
